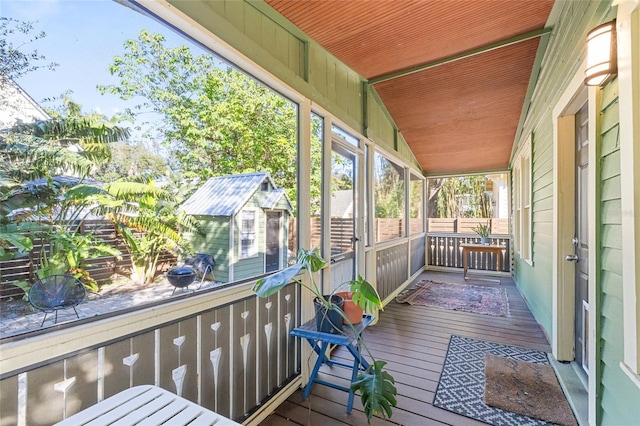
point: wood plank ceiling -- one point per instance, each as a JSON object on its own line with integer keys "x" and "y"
{"x": 458, "y": 115}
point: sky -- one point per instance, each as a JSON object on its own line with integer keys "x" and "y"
{"x": 83, "y": 36}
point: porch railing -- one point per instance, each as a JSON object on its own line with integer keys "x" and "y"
{"x": 444, "y": 250}
{"x": 226, "y": 354}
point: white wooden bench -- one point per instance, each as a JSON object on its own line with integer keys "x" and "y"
{"x": 146, "y": 405}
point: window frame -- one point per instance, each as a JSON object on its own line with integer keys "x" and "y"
{"x": 522, "y": 178}
{"x": 252, "y": 251}
{"x": 402, "y": 172}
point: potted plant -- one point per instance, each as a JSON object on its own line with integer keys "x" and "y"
{"x": 483, "y": 230}
{"x": 376, "y": 386}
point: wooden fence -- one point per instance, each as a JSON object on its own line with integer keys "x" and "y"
{"x": 101, "y": 269}
{"x": 499, "y": 226}
{"x": 342, "y": 231}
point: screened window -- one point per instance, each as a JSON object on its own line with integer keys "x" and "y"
{"x": 248, "y": 238}
{"x": 416, "y": 210}
{"x": 186, "y": 118}
{"x": 389, "y": 187}
{"x": 345, "y": 136}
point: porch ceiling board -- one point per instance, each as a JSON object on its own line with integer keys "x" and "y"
{"x": 458, "y": 117}
{"x": 469, "y": 118}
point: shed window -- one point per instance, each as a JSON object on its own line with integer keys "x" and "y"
{"x": 248, "y": 238}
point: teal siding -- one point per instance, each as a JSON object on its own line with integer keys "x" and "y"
{"x": 215, "y": 242}
{"x": 561, "y": 61}
{"x": 617, "y": 398}
{"x": 619, "y": 403}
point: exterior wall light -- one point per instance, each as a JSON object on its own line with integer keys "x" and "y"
{"x": 602, "y": 54}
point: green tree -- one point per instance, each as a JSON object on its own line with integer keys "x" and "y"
{"x": 128, "y": 161}
{"x": 149, "y": 221}
{"x": 35, "y": 200}
{"x": 451, "y": 191}
{"x": 15, "y": 61}
{"x": 215, "y": 120}
{"x": 388, "y": 188}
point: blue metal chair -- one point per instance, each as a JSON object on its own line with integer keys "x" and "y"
{"x": 56, "y": 292}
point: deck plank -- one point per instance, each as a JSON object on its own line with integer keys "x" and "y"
{"x": 414, "y": 340}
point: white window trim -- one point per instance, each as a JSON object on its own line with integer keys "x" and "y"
{"x": 628, "y": 28}
{"x": 522, "y": 190}
{"x": 253, "y": 251}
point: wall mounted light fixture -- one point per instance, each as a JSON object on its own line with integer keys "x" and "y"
{"x": 602, "y": 54}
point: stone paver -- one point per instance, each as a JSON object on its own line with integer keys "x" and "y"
{"x": 94, "y": 305}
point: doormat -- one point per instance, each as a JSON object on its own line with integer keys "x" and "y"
{"x": 457, "y": 297}
{"x": 461, "y": 385}
{"x": 526, "y": 388}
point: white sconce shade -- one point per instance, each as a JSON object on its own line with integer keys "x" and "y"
{"x": 602, "y": 61}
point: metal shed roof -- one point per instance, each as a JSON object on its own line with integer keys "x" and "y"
{"x": 274, "y": 198}
{"x": 225, "y": 195}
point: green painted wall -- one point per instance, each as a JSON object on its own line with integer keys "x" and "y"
{"x": 562, "y": 60}
{"x": 217, "y": 234}
{"x": 620, "y": 397}
{"x": 215, "y": 242}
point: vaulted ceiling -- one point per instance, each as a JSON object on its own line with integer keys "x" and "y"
{"x": 453, "y": 74}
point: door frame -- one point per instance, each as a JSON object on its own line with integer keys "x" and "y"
{"x": 357, "y": 157}
{"x": 563, "y": 307}
{"x": 563, "y": 272}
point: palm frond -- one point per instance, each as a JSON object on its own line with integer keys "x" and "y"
{"x": 134, "y": 190}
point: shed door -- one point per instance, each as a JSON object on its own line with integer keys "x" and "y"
{"x": 272, "y": 256}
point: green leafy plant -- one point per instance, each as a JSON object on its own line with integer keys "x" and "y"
{"x": 45, "y": 193}
{"x": 376, "y": 386}
{"x": 482, "y": 229}
{"x": 149, "y": 221}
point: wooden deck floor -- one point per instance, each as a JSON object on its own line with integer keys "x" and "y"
{"x": 413, "y": 340}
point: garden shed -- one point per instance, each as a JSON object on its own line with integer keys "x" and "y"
{"x": 244, "y": 220}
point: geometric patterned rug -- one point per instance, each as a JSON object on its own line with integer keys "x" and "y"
{"x": 461, "y": 385}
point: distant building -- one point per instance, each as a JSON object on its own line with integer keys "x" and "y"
{"x": 16, "y": 106}
{"x": 245, "y": 221}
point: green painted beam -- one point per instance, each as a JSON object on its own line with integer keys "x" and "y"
{"x": 469, "y": 53}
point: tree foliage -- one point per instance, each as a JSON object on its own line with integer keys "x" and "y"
{"x": 15, "y": 61}
{"x": 149, "y": 220}
{"x": 36, "y": 199}
{"x": 215, "y": 120}
{"x": 128, "y": 161}
{"x": 388, "y": 188}
{"x": 463, "y": 196}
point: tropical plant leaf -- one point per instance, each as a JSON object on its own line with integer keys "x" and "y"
{"x": 267, "y": 286}
{"x": 134, "y": 190}
{"x": 311, "y": 259}
{"x": 363, "y": 294}
{"x": 82, "y": 192}
{"x": 377, "y": 389}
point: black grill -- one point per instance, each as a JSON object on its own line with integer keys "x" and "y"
{"x": 203, "y": 265}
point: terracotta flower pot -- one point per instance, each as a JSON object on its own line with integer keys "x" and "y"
{"x": 350, "y": 309}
